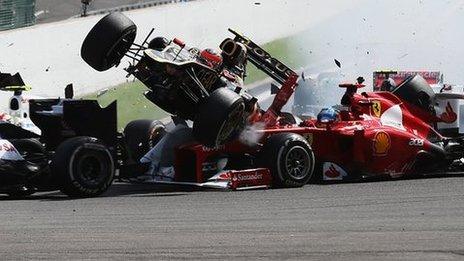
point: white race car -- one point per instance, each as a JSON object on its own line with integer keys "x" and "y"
{"x": 18, "y": 104}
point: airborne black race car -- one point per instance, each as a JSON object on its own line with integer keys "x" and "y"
{"x": 177, "y": 82}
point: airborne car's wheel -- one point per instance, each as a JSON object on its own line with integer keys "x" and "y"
{"x": 108, "y": 41}
{"x": 219, "y": 118}
{"x": 289, "y": 158}
{"x": 83, "y": 167}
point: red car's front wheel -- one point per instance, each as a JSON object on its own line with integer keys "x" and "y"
{"x": 290, "y": 159}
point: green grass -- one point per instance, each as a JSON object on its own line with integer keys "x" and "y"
{"x": 133, "y": 105}
{"x": 283, "y": 50}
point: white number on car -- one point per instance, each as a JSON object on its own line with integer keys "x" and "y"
{"x": 416, "y": 142}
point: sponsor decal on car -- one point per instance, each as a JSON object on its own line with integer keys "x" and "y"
{"x": 449, "y": 116}
{"x": 332, "y": 171}
{"x": 248, "y": 176}
{"x": 207, "y": 78}
{"x": 8, "y": 151}
{"x": 252, "y": 178}
{"x": 416, "y": 142}
{"x": 208, "y": 149}
{"x": 376, "y": 108}
{"x": 221, "y": 176}
{"x": 381, "y": 143}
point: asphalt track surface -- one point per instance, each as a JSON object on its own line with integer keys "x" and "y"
{"x": 405, "y": 219}
{"x": 409, "y": 219}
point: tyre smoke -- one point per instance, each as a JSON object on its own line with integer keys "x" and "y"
{"x": 252, "y": 134}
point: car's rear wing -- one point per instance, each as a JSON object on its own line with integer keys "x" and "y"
{"x": 263, "y": 60}
{"x": 15, "y": 83}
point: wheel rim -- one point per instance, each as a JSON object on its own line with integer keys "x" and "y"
{"x": 119, "y": 49}
{"x": 297, "y": 162}
{"x": 230, "y": 124}
{"x": 91, "y": 169}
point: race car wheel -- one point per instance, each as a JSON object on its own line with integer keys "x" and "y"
{"x": 220, "y": 118}
{"x": 108, "y": 41}
{"x": 290, "y": 159}
{"x": 141, "y": 136}
{"x": 83, "y": 167}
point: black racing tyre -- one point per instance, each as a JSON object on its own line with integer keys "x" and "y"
{"x": 108, "y": 41}
{"x": 141, "y": 136}
{"x": 290, "y": 159}
{"x": 83, "y": 167}
{"x": 220, "y": 118}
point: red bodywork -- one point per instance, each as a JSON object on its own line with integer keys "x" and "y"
{"x": 377, "y": 135}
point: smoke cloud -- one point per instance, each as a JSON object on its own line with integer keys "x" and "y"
{"x": 252, "y": 134}
{"x": 396, "y": 34}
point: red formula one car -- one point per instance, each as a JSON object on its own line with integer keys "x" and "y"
{"x": 369, "y": 134}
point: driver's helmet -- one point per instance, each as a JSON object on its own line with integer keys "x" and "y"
{"x": 211, "y": 58}
{"x": 328, "y": 115}
{"x": 157, "y": 131}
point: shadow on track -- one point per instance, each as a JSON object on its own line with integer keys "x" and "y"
{"x": 386, "y": 178}
{"x": 121, "y": 189}
{"x": 147, "y": 190}
{"x": 118, "y": 189}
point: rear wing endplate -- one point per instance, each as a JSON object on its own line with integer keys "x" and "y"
{"x": 9, "y": 82}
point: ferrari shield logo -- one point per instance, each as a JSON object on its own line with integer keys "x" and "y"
{"x": 376, "y": 108}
